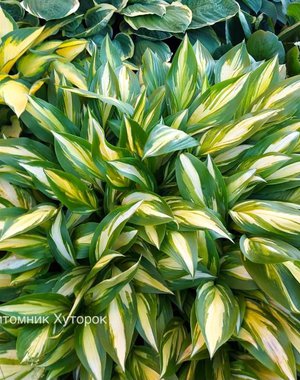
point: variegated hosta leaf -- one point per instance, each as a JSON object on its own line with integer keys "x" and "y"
{"x": 74, "y": 155}
{"x": 264, "y": 77}
{"x": 101, "y": 149}
{"x": 98, "y": 297}
{"x": 60, "y": 242}
{"x": 182, "y": 78}
{"x": 209, "y": 107}
{"x": 154, "y": 71}
{"x": 148, "y": 279}
{"x": 15, "y": 151}
{"x": 37, "y": 305}
{"x": 129, "y": 168}
{"x": 14, "y": 94}
{"x": 142, "y": 364}
{"x": 233, "y": 63}
{"x": 26, "y": 244}
{"x": 205, "y": 64}
{"x": 182, "y": 247}
{"x": 174, "y": 342}
{"x": 116, "y": 335}
{"x": 65, "y": 346}
{"x": 8, "y": 24}
{"x": 90, "y": 350}
{"x": 133, "y": 136}
{"x": 281, "y": 97}
{"x": 267, "y": 342}
{"x": 153, "y": 234}
{"x": 239, "y": 182}
{"x": 68, "y": 283}
{"x": 163, "y": 139}
{"x": 33, "y": 342}
{"x": 36, "y": 169}
{"x": 110, "y": 228}
{"x": 43, "y": 118}
{"x": 224, "y": 137}
{"x": 217, "y": 313}
{"x": 198, "y": 341}
{"x": 195, "y": 182}
{"x": 72, "y": 192}
{"x": 268, "y": 251}
{"x": 268, "y": 218}
{"x": 279, "y": 281}
{"x": 11, "y": 368}
{"x": 15, "y": 44}
{"x": 152, "y": 211}
{"x": 13, "y": 263}
{"x": 28, "y": 221}
{"x": 290, "y": 325}
{"x": 51, "y": 10}
{"x": 234, "y": 273}
{"x": 70, "y": 73}
{"x": 147, "y": 313}
{"x": 191, "y": 217}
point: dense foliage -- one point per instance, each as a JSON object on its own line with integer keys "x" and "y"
{"x": 165, "y": 200}
{"x": 269, "y": 27}
{"x": 149, "y": 195}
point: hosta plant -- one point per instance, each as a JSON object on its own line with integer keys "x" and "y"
{"x": 159, "y": 24}
{"x": 150, "y": 222}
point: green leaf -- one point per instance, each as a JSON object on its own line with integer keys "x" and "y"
{"x": 37, "y": 305}
{"x": 163, "y": 140}
{"x": 217, "y": 314}
{"x": 176, "y": 19}
{"x": 265, "y": 45}
{"x": 205, "y": 64}
{"x": 210, "y": 12}
{"x": 182, "y": 78}
{"x": 129, "y": 168}
{"x": 72, "y": 192}
{"x": 50, "y": 10}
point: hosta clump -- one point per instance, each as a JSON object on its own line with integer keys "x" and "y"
{"x": 164, "y": 202}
